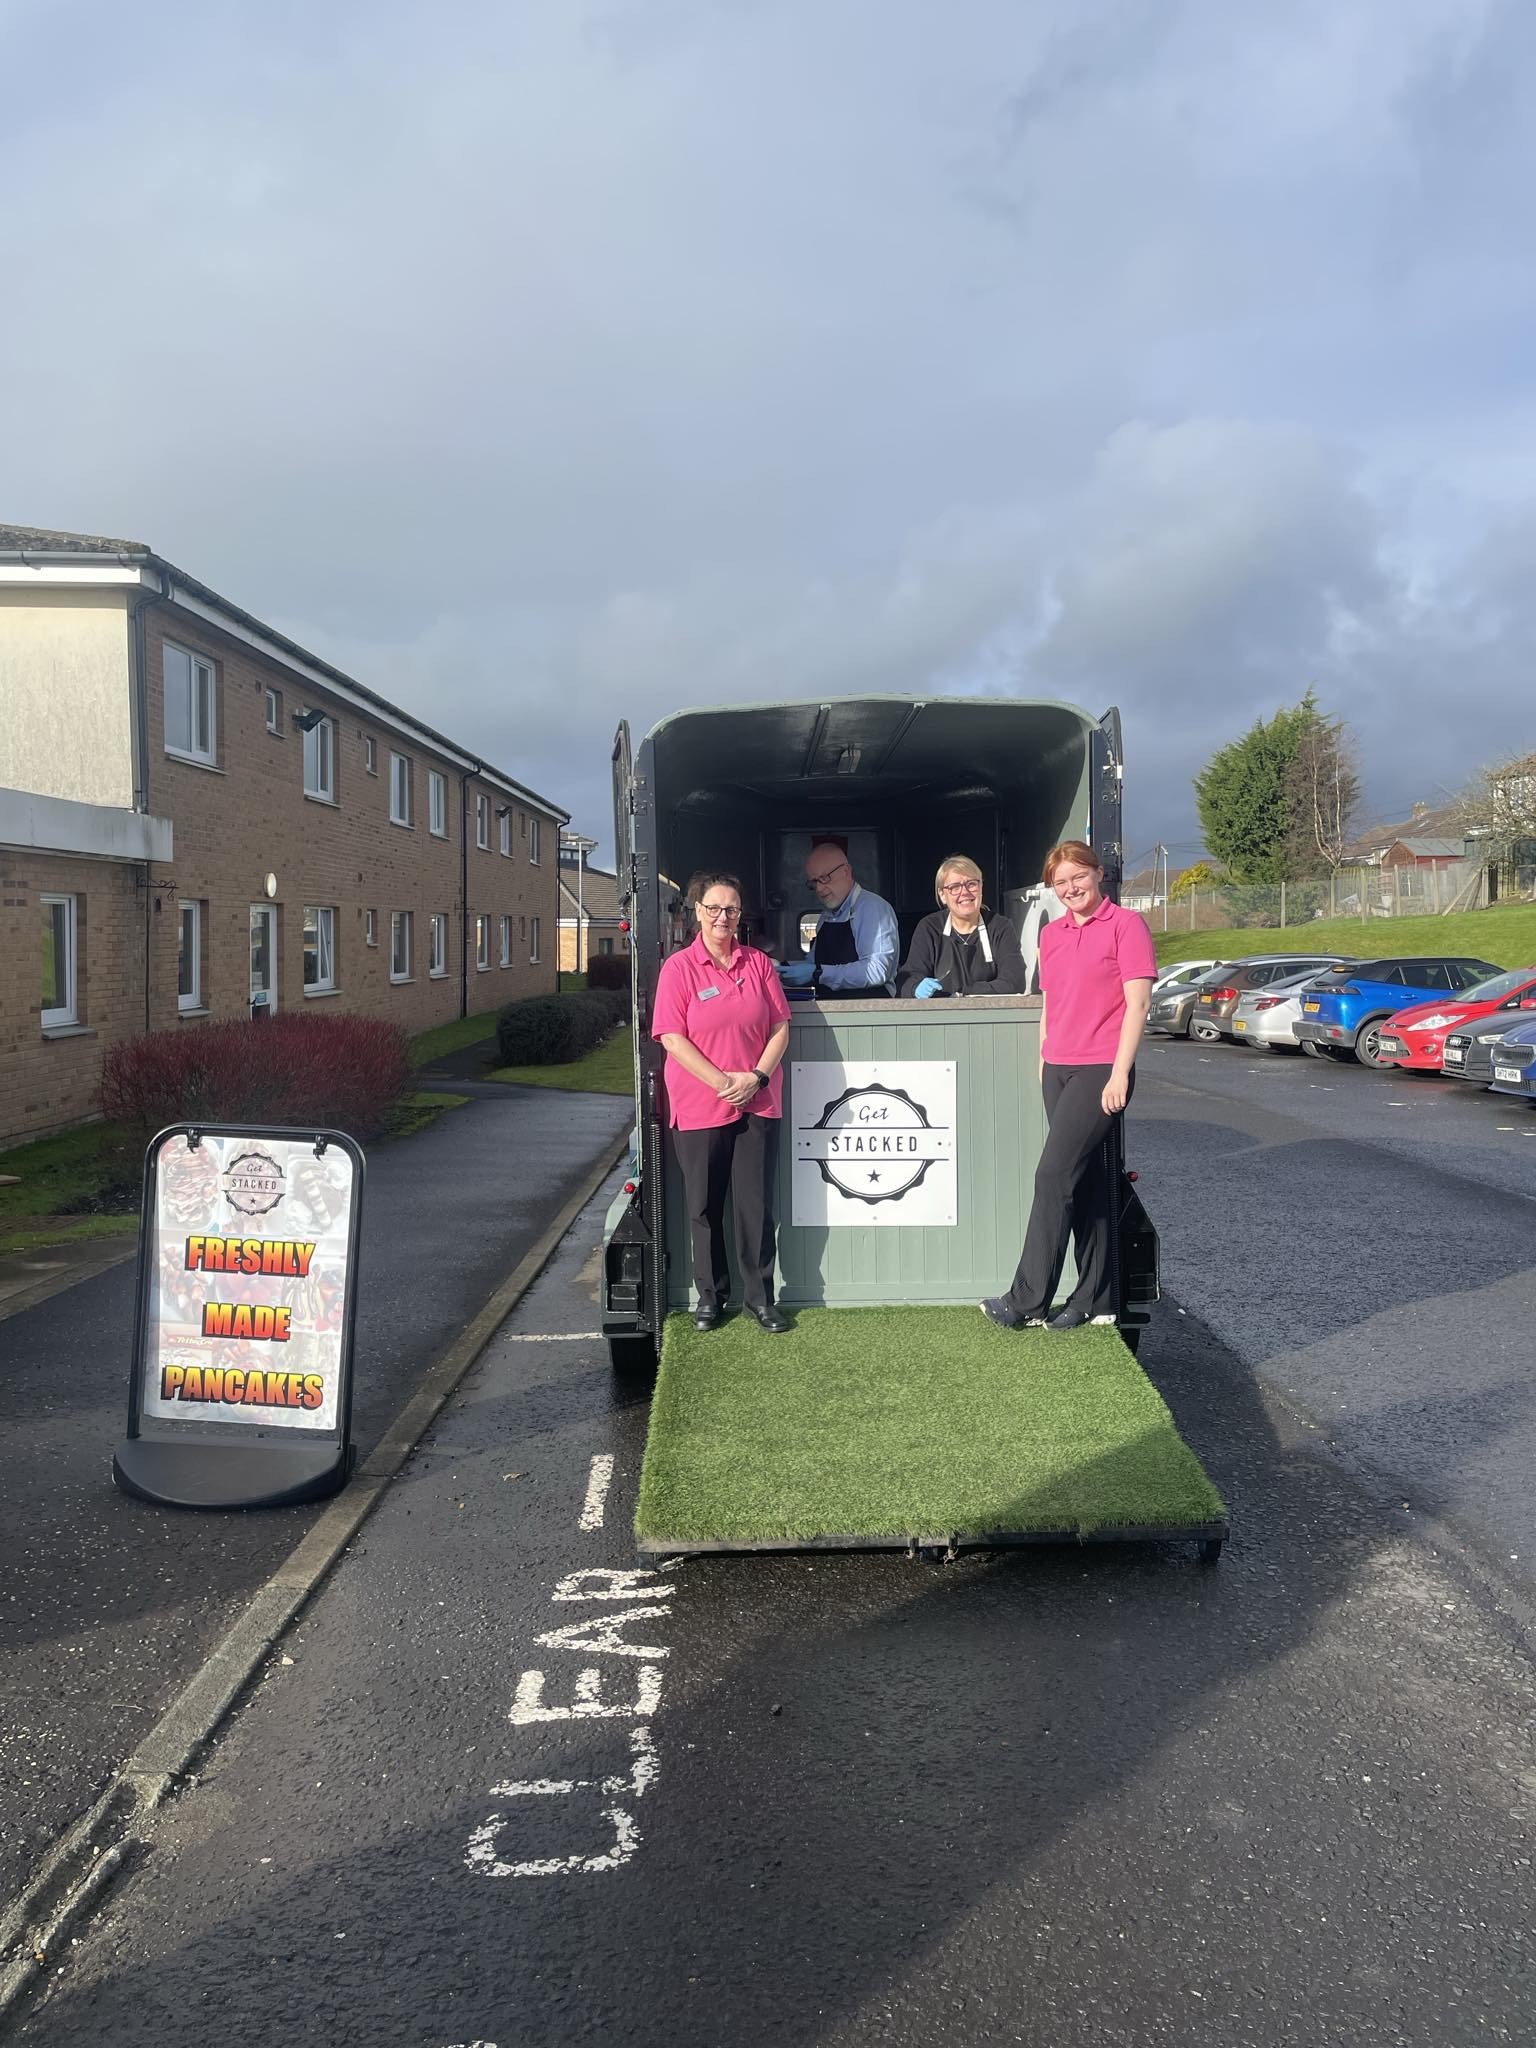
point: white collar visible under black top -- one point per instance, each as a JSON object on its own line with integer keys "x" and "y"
{"x": 979, "y": 933}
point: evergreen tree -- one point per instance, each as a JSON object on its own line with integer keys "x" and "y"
{"x": 1275, "y": 804}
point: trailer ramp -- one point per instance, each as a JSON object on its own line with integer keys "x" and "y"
{"x": 917, "y": 1429}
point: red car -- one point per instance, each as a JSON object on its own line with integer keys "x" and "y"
{"x": 1415, "y": 1038}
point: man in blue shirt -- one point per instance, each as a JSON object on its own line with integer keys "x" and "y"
{"x": 857, "y": 943}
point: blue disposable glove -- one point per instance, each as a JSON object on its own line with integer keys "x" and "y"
{"x": 797, "y": 973}
{"x": 928, "y": 987}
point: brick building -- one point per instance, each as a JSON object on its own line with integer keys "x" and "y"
{"x": 590, "y": 919}
{"x": 199, "y": 819}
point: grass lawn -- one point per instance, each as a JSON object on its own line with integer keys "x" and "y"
{"x": 607, "y": 1070}
{"x": 1506, "y": 935}
{"x": 81, "y": 1183}
{"x": 414, "y": 1112}
{"x": 428, "y": 1046}
{"x": 895, "y": 1422}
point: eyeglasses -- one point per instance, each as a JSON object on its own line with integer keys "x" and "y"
{"x": 815, "y": 881}
{"x": 960, "y": 889}
{"x": 720, "y": 912}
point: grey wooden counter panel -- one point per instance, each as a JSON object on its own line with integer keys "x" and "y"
{"x": 1000, "y": 1128}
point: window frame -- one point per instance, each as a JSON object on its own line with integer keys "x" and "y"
{"x": 323, "y": 790}
{"x": 482, "y": 942}
{"x": 437, "y": 945}
{"x": 402, "y": 791}
{"x": 400, "y": 927}
{"x": 437, "y": 803}
{"x": 482, "y": 821}
{"x": 193, "y": 999}
{"x": 274, "y": 709}
{"x": 65, "y": 1016}
{"x": 205, "y": 757}
{"x": 506, "y": 938}
{"x": 324, "y": 915}
{"x": 533, "y": 842}
{"x": 533, "y": 940}
{"x": 505, "y": 838}
{"x": 370, "y": 754}
{"x": 370, "y": 927}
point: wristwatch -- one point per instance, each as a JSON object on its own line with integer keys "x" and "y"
{"x": 762, "y": 1078}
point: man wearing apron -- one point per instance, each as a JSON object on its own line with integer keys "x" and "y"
{"x": 856, "y": 944}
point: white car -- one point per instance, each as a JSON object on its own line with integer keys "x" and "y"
{"x": 1269, "y": 1016}
{"x": 1182, "y": 973}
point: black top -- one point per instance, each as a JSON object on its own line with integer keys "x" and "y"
{"x": 959, "y": 962}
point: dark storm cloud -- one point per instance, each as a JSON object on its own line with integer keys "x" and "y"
{"x": 548, "y": 364}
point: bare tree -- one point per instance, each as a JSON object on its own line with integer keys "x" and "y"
{"x": 1323, "y": 787}
{"x": 1499, "y": 807}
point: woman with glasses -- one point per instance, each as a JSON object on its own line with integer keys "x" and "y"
{"x": 724, "y": 1021}
{"x": 962, "y": 949}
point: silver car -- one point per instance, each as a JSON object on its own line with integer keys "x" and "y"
{"x": 1269, "y": 1016}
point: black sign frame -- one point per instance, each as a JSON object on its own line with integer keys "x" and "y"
{"x": 200, "y": 1466}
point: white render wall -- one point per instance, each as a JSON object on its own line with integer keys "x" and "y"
{"x": 65, "y": 704}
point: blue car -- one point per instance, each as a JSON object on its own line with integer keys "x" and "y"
{"x": 1342, "y": 1010}
{"x": 1514, "y": 1062}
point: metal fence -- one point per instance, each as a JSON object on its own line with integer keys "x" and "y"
{"x": 1365, "y": 893}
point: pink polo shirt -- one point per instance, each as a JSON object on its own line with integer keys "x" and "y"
{"x": 1083, "y": 969}
{"x": 730, "y": 1014}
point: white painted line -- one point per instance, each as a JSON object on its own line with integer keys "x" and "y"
{"x": 597, "y": 1493}
{"x": 553, "y": 1337}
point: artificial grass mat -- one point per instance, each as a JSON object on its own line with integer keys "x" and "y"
{"x": 895, "y": 1422}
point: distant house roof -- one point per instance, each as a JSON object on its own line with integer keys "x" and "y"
{"x": 1434, "y": 849}
{"x": 1427, "y": 821}
{"x": 28, "y": 545}
{"x": 599, "y": 895}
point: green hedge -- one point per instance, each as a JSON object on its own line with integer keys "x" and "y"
{"x": 546, "y": 1031}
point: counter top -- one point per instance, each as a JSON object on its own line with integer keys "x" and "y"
{"x": 931, "y": 1010}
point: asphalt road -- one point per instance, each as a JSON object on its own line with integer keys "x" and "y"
{"x": 108, "y": 1604}
{"x": 1082, "y": 1796}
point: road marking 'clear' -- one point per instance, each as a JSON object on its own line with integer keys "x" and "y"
{"x": 597, "y": 1493}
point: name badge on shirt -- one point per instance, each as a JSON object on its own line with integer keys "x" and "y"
{"x": 706, "y": 993}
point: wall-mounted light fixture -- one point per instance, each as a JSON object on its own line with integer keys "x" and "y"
{"x": 306, "y": 721}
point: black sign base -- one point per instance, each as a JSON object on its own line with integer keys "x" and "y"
{"x": 201, "y": 1474}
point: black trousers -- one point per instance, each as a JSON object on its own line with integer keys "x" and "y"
{"x": 740, "y": 1157}
{"x": 1074, "y": 1198}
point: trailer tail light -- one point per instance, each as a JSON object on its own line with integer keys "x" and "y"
{"x": 623, "y": 924}
{"x": 631, "y": 1187}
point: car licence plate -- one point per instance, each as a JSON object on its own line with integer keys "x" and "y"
{"x": 1239, "y": 1024}
{"x": 1311, "y": 1008}
{"x": 1506, "y": 1074}
{"x": 1453, "y": 1056}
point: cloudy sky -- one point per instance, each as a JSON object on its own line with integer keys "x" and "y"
{"x": 545, "y": 362}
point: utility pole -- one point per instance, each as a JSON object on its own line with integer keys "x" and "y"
{"x": 1160, "y": 852}
{"x": 581, "y": 845}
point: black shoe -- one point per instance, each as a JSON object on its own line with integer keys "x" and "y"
{"x": 767, "y": 1317}
{"x": 1076, "y": 1318}
{"x": 996, "y": 1310}
{"x": 706, "y": 1316}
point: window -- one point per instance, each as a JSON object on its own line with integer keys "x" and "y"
{"x": 319, "y": 950}
{"x": 439, "y": 935}
{"x": 274, "y": 710}
{"x": 437, "y": 804}
{"x": 370, "y": 753}
{"x": 506, "y": 942}
{"x": 605, "y": 945}
{"x": 482, "y": 821}
{"x": 370, "y": 927}
{"x": 533, "y": 938}
{"x": 189, "y": 956}
{"x": 189, "y": 706}
{"x": 399, "y": 790}
{"x": 533, "y": 841}
{"x": 399, "y": 945}
{"x": 505, "y": 816}
{"x": 60, "y": 1005}
{"x": 320, "y": 761}
{"x": 482, "y": 942}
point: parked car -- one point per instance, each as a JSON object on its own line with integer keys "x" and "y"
{"x": 1343, "y": 1010}
{"x": 1182, "y": 973}
{"x": 1514, "y": 1062}
{"x": 1269, "y": 1016}
{"x": 1416, "y": 1037}
{"x": 1172, "y": 1010}
{"x": 1217, "y": 1001}
{"x": 1468, "y": 1054}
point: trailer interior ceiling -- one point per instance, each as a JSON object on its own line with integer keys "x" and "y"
{"x": 903, "y": 781}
